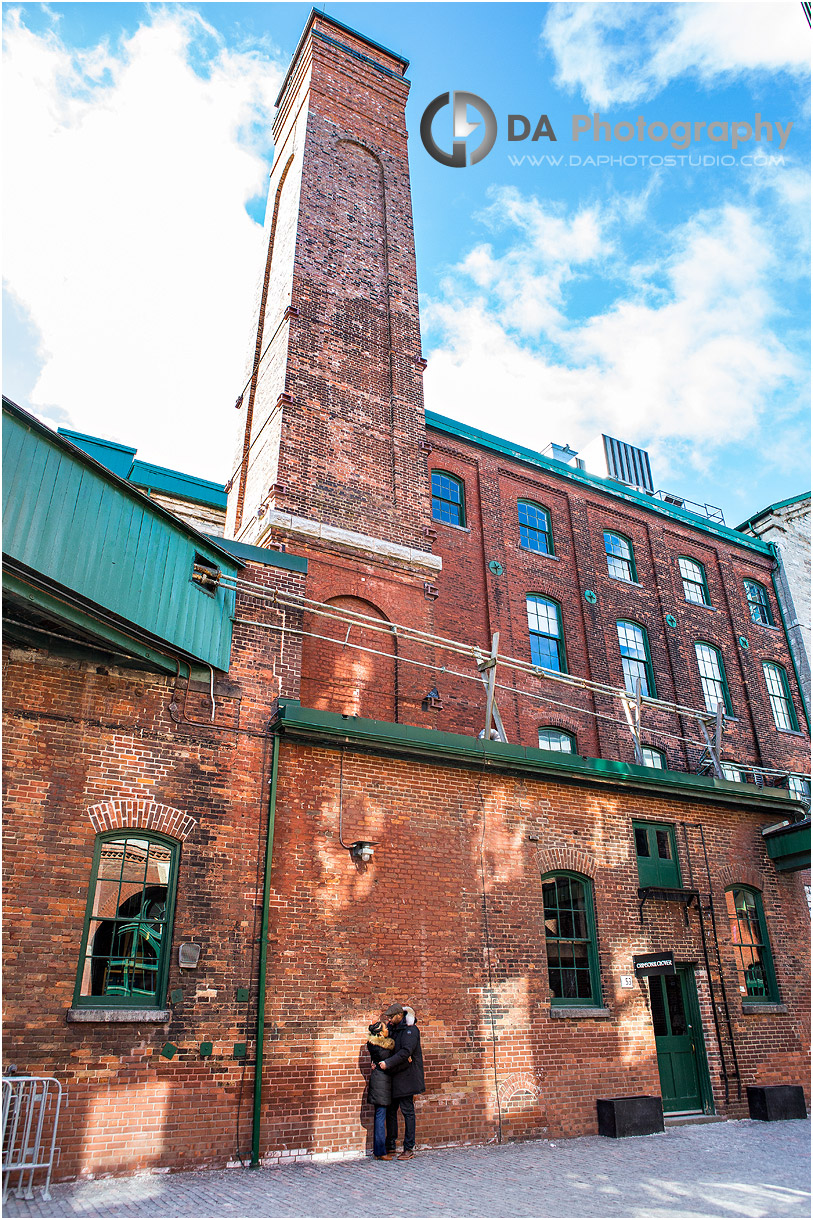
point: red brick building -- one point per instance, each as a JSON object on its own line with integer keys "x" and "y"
{"x": 202, "y": 734}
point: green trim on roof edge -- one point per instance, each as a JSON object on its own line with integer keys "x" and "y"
{"x": 485, "y": 440}
{"x": 455, "y": 748}
{"x": 763, "y": 512}
{"x": 261, "y": 554}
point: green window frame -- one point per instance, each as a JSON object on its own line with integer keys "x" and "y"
{"x": 656, "y": 854}
{"x": 749, "y": 941}
{"x": 781, "y": 700}
{"x": 620, "y": 557}
{"x": 570, "y": 940}
{"x": 534, "y": 527}
{"x": 545, "y": 633}
{"x": 693, "y": 575}
{"x": 127, "y": 933}
{"x": 713, "y": 681}
{"x": 448, "y": 498}
{"x": 759, "y": 606}
{"x": 636, "y": 661}
{"x": 558, "y": 740}
{"x": 654, "y": 758}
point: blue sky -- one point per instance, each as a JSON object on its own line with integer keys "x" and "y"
{"x": 666, "y": 304}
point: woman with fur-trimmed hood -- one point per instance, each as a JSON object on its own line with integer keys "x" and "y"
{"x": 379, "y": 1090}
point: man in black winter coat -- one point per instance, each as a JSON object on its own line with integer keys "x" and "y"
{"x": 406, "y": 1066}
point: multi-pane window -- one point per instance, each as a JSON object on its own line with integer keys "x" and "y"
{"x": 732, "y": 772}
{"x": 534, "y": 528}
{"x": 545, "y": 628}
{"x": 749, "y": 939}
{"x": 693, "y": 576}
{"x": 654, "y": 758}
{"x": 635, "y": 659}
{"x": 124, "y": 955}
{"x": 448, "y": 503}
{"x": 784, "y": 713}
{"x": 620, "y": 559}
{"x": 557, "y": 739}
{"x": 758, "y": 605}
{"x": 570, "y": 940}
{"x": 656, "y": 854}
{"x": 712, "y": 677}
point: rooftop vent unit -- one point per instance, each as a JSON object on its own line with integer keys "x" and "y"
{"x": 563, "y": 453}
{"x": 617, "y": 460}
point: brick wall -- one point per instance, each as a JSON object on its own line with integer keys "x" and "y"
{"x": 411, "y": 926}
{"x": 474, "y": 602}
{"x": 90, "y": 746}
{"x": 340, "y": 386}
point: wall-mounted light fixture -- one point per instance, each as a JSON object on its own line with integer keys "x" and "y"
{"x": 362, "y": 849}
{"x": 188, "y": 956}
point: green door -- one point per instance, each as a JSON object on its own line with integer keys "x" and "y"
{"x": 675, "y": 1043}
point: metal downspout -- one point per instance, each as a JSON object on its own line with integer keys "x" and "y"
{"x": 799, "y": 686}
{"x": 269, "y": 851}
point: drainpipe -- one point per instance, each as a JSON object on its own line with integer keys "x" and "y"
{"x": 269, "y": 851}
{"x": 775, "y": 554}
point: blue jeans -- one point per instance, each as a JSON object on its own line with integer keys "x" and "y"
{"x": 407, "y": 1107}
{"x": 380, "y": 1131}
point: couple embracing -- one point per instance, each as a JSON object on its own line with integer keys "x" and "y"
{"x": 395, "y": 1050}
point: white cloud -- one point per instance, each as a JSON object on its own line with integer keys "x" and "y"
{"x": 616, "y": 54}
{"x": 685, "y": 359}
{"x": 126, "y": 236}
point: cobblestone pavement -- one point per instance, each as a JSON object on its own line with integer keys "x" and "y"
{"x": 734, "y": 1169}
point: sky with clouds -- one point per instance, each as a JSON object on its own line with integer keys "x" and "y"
{"x": 664, "y": 303}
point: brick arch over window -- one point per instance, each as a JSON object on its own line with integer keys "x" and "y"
{"x": 566, "y": 859}
{"x": 133, "y": 814}
{"x": 339, "y": 678}
{"x": 742, "y": 875}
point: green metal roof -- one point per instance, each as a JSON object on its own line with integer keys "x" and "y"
{"x": 485, "y": 440}
{"x": 261, "y": 554}
{"x": 455, "y": 748}
{"x": 789, "y": 845}
{"x": 176, "y": 483}
{"x": 121, "y": 459}
{"x": 763, "y": 512}
{"x": 76, "y": 534}
{"x": 116, "y": 457}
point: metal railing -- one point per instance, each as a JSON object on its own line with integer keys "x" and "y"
{"x": 31, "y": 1106}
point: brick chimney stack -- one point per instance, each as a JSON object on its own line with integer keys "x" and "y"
{"x": 332, "y": 423}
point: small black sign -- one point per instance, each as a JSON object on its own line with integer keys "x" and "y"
{"x": 653, "y": 963}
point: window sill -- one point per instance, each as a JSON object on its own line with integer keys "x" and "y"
{"x": 635, "y": 584}
{"x": 757, "y": 1008}
{"x": 792, "y": 732}
{"x": 700, "y": 605}
{"x": 461, "y": 529}
{"x": 767, "y": 626}
{"x": 527, "y": 550}
{"x": 600, "y": 1014}
{"x": 103, "y": 1016}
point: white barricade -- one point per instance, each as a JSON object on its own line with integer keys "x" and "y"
{"x": 31, "y": 1107}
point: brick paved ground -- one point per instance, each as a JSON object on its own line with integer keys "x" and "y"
{"x": 734, "y": 1169}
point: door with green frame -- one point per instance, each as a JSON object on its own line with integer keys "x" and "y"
{"x": 679, "y": 1045}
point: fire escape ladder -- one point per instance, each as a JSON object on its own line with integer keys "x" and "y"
{"x": 718, "y": 997}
